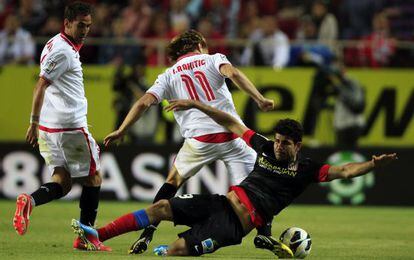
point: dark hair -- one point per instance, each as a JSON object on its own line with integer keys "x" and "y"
{"x": 290, "y": 128}
{"x": 185, "y": 43}
{"x": 74, "y": 9}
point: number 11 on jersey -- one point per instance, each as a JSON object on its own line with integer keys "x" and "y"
{"x": 202, "y": 80}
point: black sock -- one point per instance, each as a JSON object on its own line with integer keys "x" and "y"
{"x": 167, "y": 191}
{"x": 47, "y": 192}
{"x": 88, "y": 204}
{"x": 265, "y": 230}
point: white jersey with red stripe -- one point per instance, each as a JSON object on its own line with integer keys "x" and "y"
{"x": 64, "y": 104}
{"x": 196, "y": 76}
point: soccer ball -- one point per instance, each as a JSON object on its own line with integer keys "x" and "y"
{"x": 298, "y": 240}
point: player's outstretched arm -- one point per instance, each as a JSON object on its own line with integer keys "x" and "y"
{"x": 240, "y": 79}
{"x": 38, "y": 96}
{"x": 352, "y": 170}
{"x": 220, "y": 117}
{"x": 140, "y": 106}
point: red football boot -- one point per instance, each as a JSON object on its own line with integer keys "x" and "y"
{"x": 22, "y": 214}
{"x": 89, "y": 237}
{"x": 79, "y": 244}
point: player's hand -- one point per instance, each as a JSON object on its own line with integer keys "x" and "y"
{"x": 180, "y": 104}
{"x": 113, "y": 137}
{"x": 384, "y": 159}
{"x": 32, "y": 134}
{"x": 266, "y": 104}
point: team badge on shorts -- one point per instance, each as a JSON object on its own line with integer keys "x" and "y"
{"x": 208, "y": 246}
{"x": 50, "y": 66}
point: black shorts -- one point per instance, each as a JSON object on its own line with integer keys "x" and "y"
{"x": 213, "y": 222}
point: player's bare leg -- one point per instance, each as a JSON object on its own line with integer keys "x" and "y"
{"x": 62, "y": 176}
{"x": 59, "y": 187}
{"x": 93, "y": 238}
{"x": 167, "y": 191}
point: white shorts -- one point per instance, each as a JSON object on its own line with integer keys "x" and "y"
{"x": 74, "y": 149}
{"x": 238, "y": 157}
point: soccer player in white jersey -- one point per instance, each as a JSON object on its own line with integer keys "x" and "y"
{"x": 58, "y": 124}
{"x": 199, "y": 76}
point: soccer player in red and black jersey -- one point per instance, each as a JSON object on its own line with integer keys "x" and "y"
{"x": 278, "y": 177}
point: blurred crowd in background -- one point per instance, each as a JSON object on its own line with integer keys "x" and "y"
{"x": 133, "y": 34}
{"x": 368, "y": 33}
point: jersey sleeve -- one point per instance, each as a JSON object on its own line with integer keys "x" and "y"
{"x": 54, "y": 65}
{"x": 218, "y": 60}
{"x": 255, "y": 140}
{"x": 320, "y": 171}
{"x": 160, "y": 88}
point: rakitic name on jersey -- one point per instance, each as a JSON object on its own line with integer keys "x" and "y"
{"x": 189, "y": 66}
{"x": 276, "y": 169}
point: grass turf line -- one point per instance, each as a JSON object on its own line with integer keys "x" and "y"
{"x": 337, "y": 233}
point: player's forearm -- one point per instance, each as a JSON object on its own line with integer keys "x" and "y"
{"x": 246, "y": 85}
{"x": 135, "y": 113}
{"x": 352, "y": 170}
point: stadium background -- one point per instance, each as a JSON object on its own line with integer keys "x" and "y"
{"x": 135, "y": 172}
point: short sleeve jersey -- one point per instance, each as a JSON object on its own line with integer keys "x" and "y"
{"x": 274, "y": 184}
{"x": 197, "y": 77}
{"x": 64, "y": 104}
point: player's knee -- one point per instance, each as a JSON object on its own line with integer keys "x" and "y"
{"x": 66, "y": 186}
{"x": 161, "y": 210}
{"x": 94, "y": 180}
{"x": 176, "y": 180}
{"x": 64, "y": 181}
{"x": 163, "y": 207}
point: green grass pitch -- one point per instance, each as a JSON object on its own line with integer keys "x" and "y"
{"x": 337, "y": 233}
